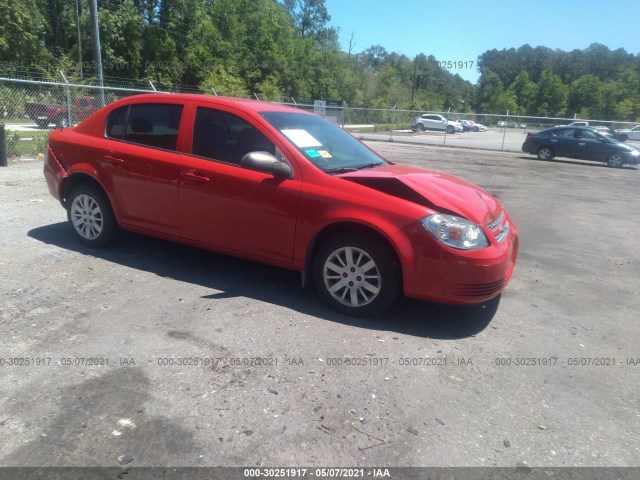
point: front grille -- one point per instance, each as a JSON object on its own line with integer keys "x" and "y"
{"x": 499, "y": 228}
{"x": 479, "y": 289}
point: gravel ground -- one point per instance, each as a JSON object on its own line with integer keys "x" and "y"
{"x": 547, "y": 375}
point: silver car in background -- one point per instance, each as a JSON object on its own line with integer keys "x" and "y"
{"x": 433, "y": 121}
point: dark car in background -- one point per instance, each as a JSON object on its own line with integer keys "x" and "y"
{"x": 582, "y": 143}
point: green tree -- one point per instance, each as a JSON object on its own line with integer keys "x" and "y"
{"x": 525, "y": 92}
{"x": 22, "y": 32}
{"x": 552, "y": 94}
{"x": 490, "y": 88}
{"x": 585, "y": 93}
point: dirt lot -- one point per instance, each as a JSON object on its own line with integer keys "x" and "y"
{"x": 547, "y": 375}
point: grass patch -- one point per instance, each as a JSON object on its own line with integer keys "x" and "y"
{"x": 26, "y": 144}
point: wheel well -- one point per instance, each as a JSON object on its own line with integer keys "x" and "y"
{"x": 547, "y": 147}
{"x": 342, "y": 228}
{"x": 73, "y": 181}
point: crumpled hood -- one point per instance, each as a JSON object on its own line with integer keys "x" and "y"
{"x": 440, "y": 189}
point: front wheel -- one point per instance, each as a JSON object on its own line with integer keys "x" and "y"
{"x": 356, "y": 275}
{"x": 42, "y": 123}
{"x": 91, "y": 216}
{"x": 450, "y": 129}
{"x": 545, "y": 153}
{"x": 615, "y": 160}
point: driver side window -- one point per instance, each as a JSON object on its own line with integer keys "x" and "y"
{"x": 224, "y": 137}
{"x": 587, "y": 135}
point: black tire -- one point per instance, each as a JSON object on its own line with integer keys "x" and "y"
{"x": 91, "y": 217}
{"x": 63, "y": 122}
{"x": 363, "y": 292}
{"x": 451, "y": 129}
{"x": 419, "y": 127}
{"x": 545, "y": 153}
{"x": 615, "y": 160}
{"x": 623, "y": 137}
{"x": 42, "y": 123}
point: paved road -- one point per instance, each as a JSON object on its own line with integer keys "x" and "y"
{"x": 544, "y": 376}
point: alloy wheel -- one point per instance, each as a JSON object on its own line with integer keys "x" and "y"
{"x": 352, "y": 277}
{"x": 86, "y": 217}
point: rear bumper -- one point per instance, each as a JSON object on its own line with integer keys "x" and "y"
{"x": 528, "y": 147}
{"x": 54, "y": 174}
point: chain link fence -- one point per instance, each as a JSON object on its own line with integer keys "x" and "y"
{"x": 29, "y": 109}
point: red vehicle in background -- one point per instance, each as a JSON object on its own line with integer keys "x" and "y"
{"x": 45, "y": 114}
{"x": 284, "y": 187}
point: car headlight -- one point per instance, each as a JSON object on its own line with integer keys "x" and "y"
{"x": 456, "y": 232}
{"x": 635, "y": 153}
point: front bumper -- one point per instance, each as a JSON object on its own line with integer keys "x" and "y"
{"x": 443, "y": 274}
{"x": 632, "y": 159}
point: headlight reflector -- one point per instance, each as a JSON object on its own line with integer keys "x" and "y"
{"x": 456, "y": 232}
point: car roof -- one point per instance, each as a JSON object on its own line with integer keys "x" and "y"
{"x": 243, "y": 103}
{"x": 562, "y": 127}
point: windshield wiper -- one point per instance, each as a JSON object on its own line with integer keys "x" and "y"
{"x": 341, "y": 170}
{"x": 354, "y": 169}
{"x": 368, "y": 165}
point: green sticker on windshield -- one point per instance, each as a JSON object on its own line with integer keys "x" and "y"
{"x": 312, "y": 153}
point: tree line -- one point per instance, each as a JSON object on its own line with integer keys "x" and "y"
{"x": 278, "y": 50}
{"x": 592, "y": 83}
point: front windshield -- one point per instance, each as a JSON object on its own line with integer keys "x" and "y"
{"x": 324, "y": 144}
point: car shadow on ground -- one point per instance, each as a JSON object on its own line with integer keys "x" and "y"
{"x": 581, "y": 163}
{"x": 234, "y": 277}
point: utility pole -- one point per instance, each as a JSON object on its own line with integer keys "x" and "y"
{"x": 413, "y": 83}
{"x": 97, "y": 56}
{"x": 79, "y": 37}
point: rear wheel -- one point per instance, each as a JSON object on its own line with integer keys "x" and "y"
{"x": 623, "y": 137}
{"x": 356, "y": 275}
{"x": 615, "y": 160}
{"x": 419, "y": 127}
{"x": 42, "y": 123}
{"x": 545, "y": 153}
{"x": 91, "y": 216}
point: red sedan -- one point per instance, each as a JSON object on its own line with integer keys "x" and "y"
{"x": 285, "y": 187}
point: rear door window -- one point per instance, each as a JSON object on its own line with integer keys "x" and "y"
{"x": 153, "y": 125}
{"x": 565, "y": 132}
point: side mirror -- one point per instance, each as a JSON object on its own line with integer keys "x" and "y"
{"x": 267, "y": 163}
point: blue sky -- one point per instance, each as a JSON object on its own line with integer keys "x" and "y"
{"x": 461, "y": 30}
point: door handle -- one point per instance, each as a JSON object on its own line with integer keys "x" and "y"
{"x": 582, "y": 144}
{"x": 191, "y": 175}
{"x": 113, "y": 160}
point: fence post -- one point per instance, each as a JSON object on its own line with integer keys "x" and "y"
{"x": 3, "y": 148}
{"x": 504, "y": 132}
{"x": 68, "y": 95}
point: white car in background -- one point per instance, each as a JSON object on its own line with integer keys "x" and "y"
{"x": 631, "y": 133}
{"x": 433, "y": 121}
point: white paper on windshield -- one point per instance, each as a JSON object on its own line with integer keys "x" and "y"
{"x": 301, "y": 138}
